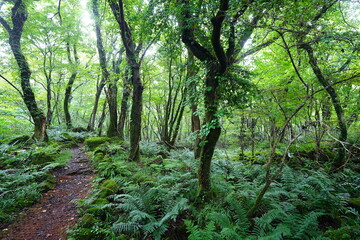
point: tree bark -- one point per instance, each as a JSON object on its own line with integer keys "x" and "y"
{"x": 70, "y": 83}
{"x": 18, "y": 17}
{"x": 339, "y": 161}
{"x": 124, "y": 105}
{"x": 111, "y": 93}
{"x": 133, "y": 61}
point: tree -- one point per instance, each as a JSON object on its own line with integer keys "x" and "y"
{"x": 217, "y": 61}
{"x": 18, "y": 17}
{"x": 70, "y": 83}
{"x": 134, "y": 60}
{"x": 111, "y": 92}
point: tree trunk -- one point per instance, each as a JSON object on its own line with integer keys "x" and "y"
{"x": 339, "y": 161}
{"x": 213, "y": 129}
{"x": 134, "y": 62}
{"x": 69, "y": 85}
{"x": 19, "y": 16}
{"x": 112, "y": 130}
{"x": 135, "y": 116}
{"x": 99, "y": 88}
{"x": 111, "y": 93}
{"x": 124, "y": 105}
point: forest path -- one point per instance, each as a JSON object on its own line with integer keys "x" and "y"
{"x": 56, "y": 212}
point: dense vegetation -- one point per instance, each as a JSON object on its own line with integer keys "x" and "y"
{"x": 203, "y": 119}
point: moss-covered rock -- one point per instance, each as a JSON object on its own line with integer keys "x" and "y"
{"x": 87, "y": 221}
{"x": 94, "y": 142}
{"x": 19, "y": 140}
{"x": 99, "y": 201}
{"x": 40, "y": 158}
{"x": 108, "y": 188}
{"x": 103, "y": 148}
{"x": 355, "y": 202}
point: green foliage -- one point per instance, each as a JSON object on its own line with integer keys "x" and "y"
{"x": 236, "y": 88}
{"x": 24, "y": 174}
{"x": 94, "y": 142}
{"x": 159, "y": 200}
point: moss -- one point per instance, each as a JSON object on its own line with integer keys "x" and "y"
{"x": 108, "y": 188}
{"x": 103, "y": 148}
{"x": 79, "y": 129}
{"x": 344, "y": 233}
{"x": 98, "y": 157}
{"x": 66, "y": 136}
{"x": 19, "y": 140}
{"x": 355, "y": 201}
{"x": 40, "y": 158}
{"x": 93, "y": 233}
{"x": 93, "y": 142}
{"x": 87, "y": 221}
{"x": 4, "y": 217}
{"x": 99, "y": 201}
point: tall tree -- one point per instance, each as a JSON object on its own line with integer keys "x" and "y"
{"x": 70, "y": 83}
{"x": 134, "y": 63}
{"x": 19, "y": 15}
{"x": 111, "y": 92}
{"x": 217, "y": 61}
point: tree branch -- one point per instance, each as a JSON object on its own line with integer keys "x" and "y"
{"x": 5, "y": 24}
{"x": 188, "y": 37}
{"x": 12, "y": 85}
{"x": 217, "y": 22}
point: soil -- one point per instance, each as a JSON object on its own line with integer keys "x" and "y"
{"x": 57, "y": 211}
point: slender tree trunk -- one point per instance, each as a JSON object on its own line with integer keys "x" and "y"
{"x": 19, "y": 16}
{"x": 111, "y": 93}
{"x": 124, "y": 105}
{"x": 339, "y": 161}
{"x": 99, "y": 89}
{"x": 69, "y": 85}
{"x": 132, "y": 52}
{"x": 112, "y": 130}
{"x": 212, "y": 124}
{"x": 135, "y": 116}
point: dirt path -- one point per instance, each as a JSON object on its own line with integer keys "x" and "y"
{"x": 55, "y": 213}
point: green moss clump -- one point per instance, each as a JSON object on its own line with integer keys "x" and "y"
{"x": 355, "y": 201}
{"x": 40, "y": 158}
{"x": 94, "y": 142}
{"x": 108, "y": 188}
{"x": 99, "y": 201}
{"x": 344, "y": 233}
{"x": 19, "y": 140}
{"x": 87, "y": 221}
{"x": 4, "y": 217}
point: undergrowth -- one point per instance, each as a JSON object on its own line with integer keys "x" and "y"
{"x": 156, "y": 199}
{"x": 25, "y": 172}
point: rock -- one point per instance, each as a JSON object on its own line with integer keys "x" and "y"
{"x": 108, "y": 188}
{"x": 93, "y": 142}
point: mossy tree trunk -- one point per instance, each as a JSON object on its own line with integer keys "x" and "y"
{"x": 124, "y": 104}
{"x": 19, "y": 16}
{"x": 217, "y": 59}
{"x": 70, "y": 83}
{"x": 134, "y": 63}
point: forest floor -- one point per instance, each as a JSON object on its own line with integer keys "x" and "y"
{"x": 56, "y": 212}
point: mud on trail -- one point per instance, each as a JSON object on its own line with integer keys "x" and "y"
{"x": 56, "y": 212}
